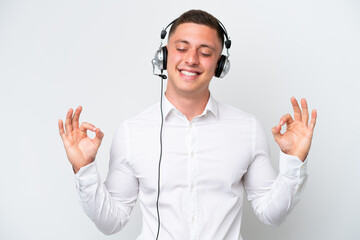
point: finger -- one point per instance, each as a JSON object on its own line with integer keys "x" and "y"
{"x": 98, "y": 137}
{"x": 61, "y": 129}
{"x": 305, "y": 111}
{"x": 276, "y": 132}
{"x": 68, "y": 121}
{"x": 75, "y": 120}
{"x": 297, "y": 111}
{"x": 87, "y": 126}
{"x": 286, "y": 119}
{"x": 313, "y": 119}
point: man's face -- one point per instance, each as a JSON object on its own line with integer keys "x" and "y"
{"x": 193, "y": 53}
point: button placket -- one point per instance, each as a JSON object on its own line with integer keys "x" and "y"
{"x": 192, "y": 179}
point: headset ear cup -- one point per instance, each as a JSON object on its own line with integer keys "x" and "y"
{"x": 220, "y": 66}
{"x": 160, "y": 59}
{"x": 165, "y": 53}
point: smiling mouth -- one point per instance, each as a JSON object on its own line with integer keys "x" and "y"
{"x": 189, "y": 74}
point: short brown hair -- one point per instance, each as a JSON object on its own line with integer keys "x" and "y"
{"x": 199, "y": 17}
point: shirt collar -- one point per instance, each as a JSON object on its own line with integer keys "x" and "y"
{"x": 211, "y": 106}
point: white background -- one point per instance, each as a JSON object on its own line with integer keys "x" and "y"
{"x": 60, "y": 54}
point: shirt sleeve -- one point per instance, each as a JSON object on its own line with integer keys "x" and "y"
{"x": 109, "y": 204}
{"x": 273, "y": 197}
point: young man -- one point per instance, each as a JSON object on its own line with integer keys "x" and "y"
{"x": 211, "y": 153}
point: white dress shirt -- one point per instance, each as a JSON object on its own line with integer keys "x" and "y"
{"x": 206, "y": 166}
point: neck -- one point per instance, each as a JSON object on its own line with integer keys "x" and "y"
{"x": 190, "y": 106}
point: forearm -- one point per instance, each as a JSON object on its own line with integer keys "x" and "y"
{"x": 273, "y": 207}
{"x": 109, "y": 215}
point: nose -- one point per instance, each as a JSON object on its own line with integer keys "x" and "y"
{"x": 191, "y": 57}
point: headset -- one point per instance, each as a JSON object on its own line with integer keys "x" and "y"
{"x": 161, "y": 55}
{"x": 160, "y": 61}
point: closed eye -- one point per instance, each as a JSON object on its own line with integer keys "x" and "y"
{"x": 206, "y": 54}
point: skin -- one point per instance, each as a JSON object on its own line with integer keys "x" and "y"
{"x": 194, "y": 48}
{"x": 297, "y": 139}
{"x": 80, "y": 149}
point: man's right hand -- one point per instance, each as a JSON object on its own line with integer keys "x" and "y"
{"x": 80, "y": 149}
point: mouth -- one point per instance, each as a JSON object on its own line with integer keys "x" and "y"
{"x": 189, "y": 74}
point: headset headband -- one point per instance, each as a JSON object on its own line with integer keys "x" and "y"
{"x": 223, "y": 29}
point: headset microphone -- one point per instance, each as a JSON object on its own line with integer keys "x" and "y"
{"x": 161, "y": 75}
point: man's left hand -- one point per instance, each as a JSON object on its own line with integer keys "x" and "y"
{"x": 296, "y": 140}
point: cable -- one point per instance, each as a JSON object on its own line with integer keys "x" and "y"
{"x": 161, "y": 128}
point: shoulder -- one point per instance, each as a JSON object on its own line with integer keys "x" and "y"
{"x": 227, "y": 112}
{"x": 150, "y": 114}
{"x": 238, "y": 119}
{"x": 149, "y": 117}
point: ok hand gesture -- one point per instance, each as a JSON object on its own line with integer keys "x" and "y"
{"x": 80, "y": 149}
{"x": 297, "y": 138}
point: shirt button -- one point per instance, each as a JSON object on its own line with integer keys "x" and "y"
{"x": 193, "y": 218}
{"x": 192, "y": 186}
{"x": 192, "y": 154}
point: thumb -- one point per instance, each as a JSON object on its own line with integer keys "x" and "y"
{"x": 98, "y": 137}
{"x": 276, "y": 132}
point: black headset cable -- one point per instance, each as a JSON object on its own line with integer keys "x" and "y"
{"x": 161, "y": 129}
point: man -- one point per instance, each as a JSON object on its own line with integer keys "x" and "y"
{"x": 211, "y": 153}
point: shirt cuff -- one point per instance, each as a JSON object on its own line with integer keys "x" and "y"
{"x": 86, "y": 177}
{"x": 291, "y": 166}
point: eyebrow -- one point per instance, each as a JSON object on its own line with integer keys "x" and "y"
{"x": 202, "y": 45}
